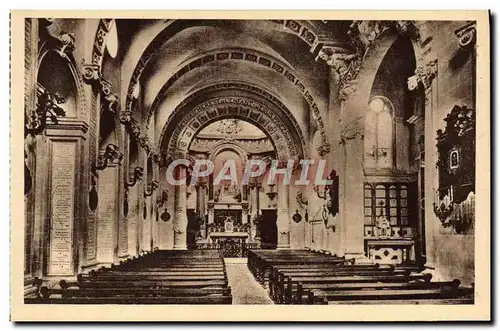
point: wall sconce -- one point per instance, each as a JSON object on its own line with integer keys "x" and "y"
{"x": 330, "y": 193}
{"x": 150, "y": 188}
{"x": 46, "y": 108}
{"x": 111, "y": 153}
{"x": 162, "y": 198}
{"x": 443, "y": 212}
{"x": 303, "y": 203}
{"x": 137, "y": 175}
{"x": 271, "y": 194}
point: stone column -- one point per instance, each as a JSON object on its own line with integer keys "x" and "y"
{"x": 133, "y": 216}
{"x": 353, "y": 197}
{"x": 200, "y": 208}
{"x": 283, "y": 221}
{"x": 210, "y": 212}
{"x": 432, "y": 120}
{"x": 107, "y": 214}
{"x": 255, "y": 234}
{"x": 180, "y": 216}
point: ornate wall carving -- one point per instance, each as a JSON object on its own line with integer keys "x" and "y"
{"x": 362, "y": 34}
{"x": 282, "y": 116}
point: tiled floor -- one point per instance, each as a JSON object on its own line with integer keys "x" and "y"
{"x": 245, "y": 289}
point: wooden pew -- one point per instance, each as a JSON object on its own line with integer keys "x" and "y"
{"x": 162, "y": 277}
{"x": 207, "y": 300}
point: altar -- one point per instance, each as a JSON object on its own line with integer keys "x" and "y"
{"x": 229, "y": 235}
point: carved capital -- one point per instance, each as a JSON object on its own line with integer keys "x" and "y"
{"x": 67, "y": 45}
{"x": 109, "y": 156}
{"x": 324, "y": 149}
{"x": 135, "y": 174}
{"x": 467, "y": 34}
{"x": 424, "y": 74}
{"x": 125, "y": 116}
{"x": 105, "y": 86}
{"x": 134, "y": 129}
{"x": 410, "y": 29}
{"x": 368, "y": 31}
{"x": 112, "y": 101}
{"x": 350, "y": 130}
{"x": 336, "y": 58}
{"x": 347, "y": 66}
{"x": 91, "y": 73}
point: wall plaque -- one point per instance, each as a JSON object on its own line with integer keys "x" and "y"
{"x": 106, "y": 214}
{"x": 62, "y": 208}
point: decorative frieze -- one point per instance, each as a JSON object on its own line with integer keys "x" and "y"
{"x": 245, "y": 108}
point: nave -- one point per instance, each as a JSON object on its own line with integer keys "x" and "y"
{"x": 123, "y": 115}
{"x": 286, "y": 276}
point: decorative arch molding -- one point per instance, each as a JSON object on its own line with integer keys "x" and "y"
{"x": 246, "y": 55}
{"x": 298, "y": 28}
{"x": 92, "y": 72}
{"x": 180, "y": 130}
{"x": 251, "y": 56}
{"x": 275, "y": 107}
{"x": 228, "y": 145}
{"x": 64, "y": 46}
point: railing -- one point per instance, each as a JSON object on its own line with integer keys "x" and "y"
{"x": 231, "y": 248}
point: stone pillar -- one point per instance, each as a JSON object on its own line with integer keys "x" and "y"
{"x": 353, "y": 197}
{"x": 255, "y": 234}
{"x": 107, "y": 214}
{"x": 283, "y": 221}
{"x": 244, "y": 214}
{"x": 200, "y": 208}
{"x": 432, "y": 223}
{"x": 133, "y": 216}
{"x": 180, "y": 217}
{"x": 210, "y": 206}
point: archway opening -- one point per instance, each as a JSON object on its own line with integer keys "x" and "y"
{"x": 223, "y": 210}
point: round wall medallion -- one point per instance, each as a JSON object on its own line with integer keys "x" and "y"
{"x": 165, "y": 216}
{"x": 297, "y": 217}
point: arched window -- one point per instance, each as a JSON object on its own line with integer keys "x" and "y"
{"x": 379, "y": 134}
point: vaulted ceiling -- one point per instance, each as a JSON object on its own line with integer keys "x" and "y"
{"x": 171, "y": 59}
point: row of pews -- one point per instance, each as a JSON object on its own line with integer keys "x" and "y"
{"x": 307, "y": 277}
{"x": 161, "y": 277}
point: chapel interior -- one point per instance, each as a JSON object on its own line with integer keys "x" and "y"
{"x": 387, "y": 106}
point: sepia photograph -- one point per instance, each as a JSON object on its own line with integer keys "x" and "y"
{"x": 284, "y": 166}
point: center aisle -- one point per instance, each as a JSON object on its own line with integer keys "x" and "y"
{"x": 244, "y": 288}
